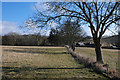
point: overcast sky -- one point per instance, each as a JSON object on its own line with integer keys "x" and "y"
{"x": 15, "y": 13}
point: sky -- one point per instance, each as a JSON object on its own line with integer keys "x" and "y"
{"x": 15, "y": 13}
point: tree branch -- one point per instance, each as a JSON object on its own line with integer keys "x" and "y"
{"x": 97, "y": 29}
{"x": 74, "y": 12}
{"x": 65, "y": 15}
{"x": 112, "y": 21}
{"x": 107, "y": 17}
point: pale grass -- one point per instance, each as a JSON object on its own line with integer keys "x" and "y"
{"x": 30, "y": 47}
{"x": 110, "y": 56}
{"x": 25, "y": 61}
{"x": 36, "y": 59}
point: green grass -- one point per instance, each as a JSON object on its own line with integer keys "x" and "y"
{"x": 110, "y": 56}
{"x": 42, "y": 62}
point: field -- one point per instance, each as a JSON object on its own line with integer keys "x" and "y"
{"x": 110, "y": 56}
{"x": 42, "y": 62}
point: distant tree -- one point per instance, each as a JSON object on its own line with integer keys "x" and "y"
{"x": 71, "y": 33}
{"x": 0, "y": 40}
{"x": 118, "y": 25}
{"x": 54, "y": 37}
{"x": 15, "y": 39}
{"x": 68, "y": 34}
{"x": 11, "y": 38}
{"x": 38, "y": 38}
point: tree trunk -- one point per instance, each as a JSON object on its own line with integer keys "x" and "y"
{"x": 99, "y": 57}
{"x": 73, "y": 47}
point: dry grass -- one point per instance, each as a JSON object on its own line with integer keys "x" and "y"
{"x": 37, "y": 57}
{"x": 110, "y": 56}
{"x": 42, "y": 62}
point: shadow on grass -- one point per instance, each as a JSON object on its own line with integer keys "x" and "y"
{"x": 39, "y": 52}
{"x": 33, "y": 68}
{"x": 43, "y": 49}
{"x": 62, "y": 68}
{"x": 44, "y": 72}
{"x": 6, "y": 70}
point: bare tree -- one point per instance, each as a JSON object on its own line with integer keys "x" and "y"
{"x": 97, "y": 15}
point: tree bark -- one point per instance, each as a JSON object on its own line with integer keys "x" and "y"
{"x": 99, "y": 57}
{"x": 73, "y": 47}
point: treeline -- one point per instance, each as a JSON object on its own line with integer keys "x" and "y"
{"x": 15, "y": 39}
{"x": 69, "y": 33}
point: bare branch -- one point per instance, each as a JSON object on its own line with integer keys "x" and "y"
{"x": 65, "y": 15}
{"x": 97, "y": 17}
{"x": 111, "y": 12}
{"x": 74, "y": 12}
{"x": 112, "y": 21}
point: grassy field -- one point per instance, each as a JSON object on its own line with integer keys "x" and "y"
{"x": 110, "y": 56}
{"x": 42, "y": 62}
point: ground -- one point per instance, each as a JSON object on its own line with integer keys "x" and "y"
{"x": 42, "y": 62}
{"x": 110, "y": 56}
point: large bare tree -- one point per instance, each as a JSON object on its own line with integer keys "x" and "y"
{"x": 98, "y": 16}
